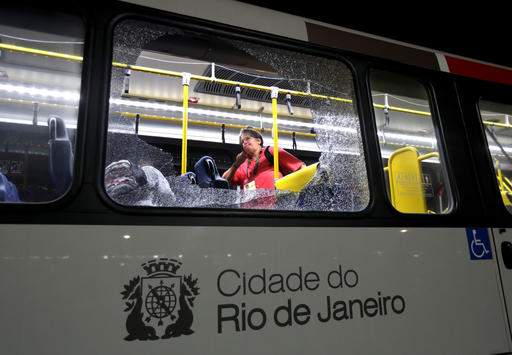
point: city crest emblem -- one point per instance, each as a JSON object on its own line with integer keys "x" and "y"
{"x": 160, "y": 303}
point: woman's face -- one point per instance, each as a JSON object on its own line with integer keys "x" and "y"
{"x": 250, "y": 145}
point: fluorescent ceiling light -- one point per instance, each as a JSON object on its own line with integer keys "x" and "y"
{"x": 69, "y": 124}
{"x": 74, "y": 97}
{"x": 71, "y": 96}
{"x": 428, "y": 142}
{"x": 221, "y": 114}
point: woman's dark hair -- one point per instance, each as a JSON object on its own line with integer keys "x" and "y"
{"x": 251, "y": 132}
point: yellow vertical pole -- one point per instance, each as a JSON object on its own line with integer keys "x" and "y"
{"x": 275, "y": 135}
{"x": 185, "y": 84}
{"x": 500, "y": 175}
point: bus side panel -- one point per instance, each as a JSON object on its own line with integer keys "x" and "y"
{"x": 503, "y": 243}
{"x": 231, "y": 290}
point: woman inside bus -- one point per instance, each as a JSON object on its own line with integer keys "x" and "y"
{"x": 254, "y": 167}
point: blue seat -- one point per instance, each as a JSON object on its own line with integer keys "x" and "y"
{"x": 60, "y": 155}
{"x": 207, "y": 174}
{"x": 188, "y": 177}
{"x": 8, "y": 191}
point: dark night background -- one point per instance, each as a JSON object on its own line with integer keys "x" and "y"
{"x": 479, "y": 30}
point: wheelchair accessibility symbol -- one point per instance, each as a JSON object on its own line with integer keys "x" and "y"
{"x": 479, "y": 243}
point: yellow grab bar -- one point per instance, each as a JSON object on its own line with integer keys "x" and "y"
{"x": 274, "y": 94}
{"x": 186, "y": 83}
{"x": 143, "y": 69}
{"x": 14, "y": 48}
{"x": 167, "y": 72}
{"x": 428, "y": 156}
{"x": 404, "y": 110}
{"x": 507, "y": 184}
{"x": 421, "y": 158}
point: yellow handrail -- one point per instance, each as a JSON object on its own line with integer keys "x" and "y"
{"x": 77, "y": 58}
{"x": 428, "y": 156}
{"x": 14, "y": 48}
{"x": 168, "y": 72}
{"x": 186, "y": 83}
{"x": 499, "y": 175}
{"x": 497, "y": 124}
{"x": 421, "y": 157}
{"x": 404, "y": 110}
{"x": 226, "y": 82}
{"x": 275, "y": 132}
{"x": 507, "y": 184}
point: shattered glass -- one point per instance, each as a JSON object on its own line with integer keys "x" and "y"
{"x": 340, "y": 182}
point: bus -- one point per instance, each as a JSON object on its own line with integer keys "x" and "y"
{"x": 216, "y": 177}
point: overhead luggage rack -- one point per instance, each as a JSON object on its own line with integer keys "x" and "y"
{"x": 224, "y": 73}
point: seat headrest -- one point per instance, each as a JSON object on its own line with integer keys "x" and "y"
{"x": 8, "y": 191}
{"x": 57, "y": 128}
{"x": 60, "y": 157}
{"x": 207, "y": 174}
{"x": 3, "y": 187}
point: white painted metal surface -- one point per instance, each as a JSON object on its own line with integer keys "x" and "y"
{"x": 502, "y": 235}
{"x": 61, "y": 290}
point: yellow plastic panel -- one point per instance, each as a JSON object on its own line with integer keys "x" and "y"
{"x": 298, "y": 180}
{"x": 405, "y": 181}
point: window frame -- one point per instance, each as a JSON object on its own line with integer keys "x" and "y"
{"x": 253, "y": 37}
{"x": 421, "y": 77}
{"x": 489, "y": 159}
{"x": 82, "y": 116}
{"x": 470, "y": 91}
{"x": 86, "y": 203}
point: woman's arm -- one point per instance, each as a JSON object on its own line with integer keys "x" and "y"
{"x": 228, "y": 174}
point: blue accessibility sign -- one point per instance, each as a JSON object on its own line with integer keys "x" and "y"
{"x": 479, "y": 243}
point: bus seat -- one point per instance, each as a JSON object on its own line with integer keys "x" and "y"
{"x": 8, "y": 191}
{"x": 207, "y": 174}
{"x": 60, "y": 155}
{"x": 297, "y": 180}
{"x": 190, "y": 177}
{"x": 405, "y": 181}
